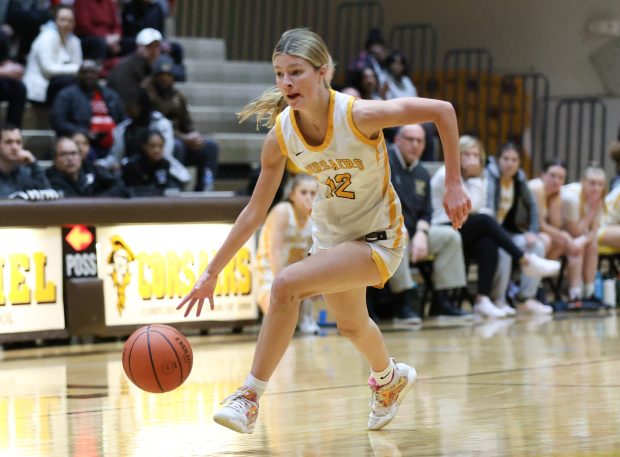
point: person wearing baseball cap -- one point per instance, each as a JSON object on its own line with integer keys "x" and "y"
{"x": 190, "y": 146}
{"x": 127, "y": 76}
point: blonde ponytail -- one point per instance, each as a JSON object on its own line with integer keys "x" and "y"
{"x": 266, "y": 108}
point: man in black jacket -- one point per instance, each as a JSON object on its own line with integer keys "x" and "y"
{"x": 412, "y": 184}
{"x": 19, "y": 171}
{"x": 89, "y": 108}
{"x": 71, "y": 178}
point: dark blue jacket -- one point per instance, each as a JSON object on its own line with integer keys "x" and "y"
{"x": 71, "y": 110}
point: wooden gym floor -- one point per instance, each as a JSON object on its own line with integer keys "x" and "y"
{"x": 519, "y": 387}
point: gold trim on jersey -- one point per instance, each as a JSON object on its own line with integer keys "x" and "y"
{"x": 382, "y": 267}
{"x": 280, "y": 136}
{"x": 360, "y": 136}
{"x": 330, "y": 126}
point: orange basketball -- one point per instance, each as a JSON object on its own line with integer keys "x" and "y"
{"x": 157, "y": 358}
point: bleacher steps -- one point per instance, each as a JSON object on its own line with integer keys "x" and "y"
{"x": 229, "y": 72}
{"x": 207, "y": 49}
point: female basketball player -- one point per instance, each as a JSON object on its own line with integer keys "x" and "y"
{"x": 358, "y": 230}
{"x": 286, "y": 238}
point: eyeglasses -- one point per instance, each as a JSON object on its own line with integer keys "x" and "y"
{"x": 64, "y": 154}
{"x": 412, "y": 139}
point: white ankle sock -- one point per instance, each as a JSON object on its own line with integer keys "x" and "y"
{"x": 256, "y": 384}
{"x": 588, "y": 290}
{"x": 385, "y": 376}
{"x": 575, "y": 293}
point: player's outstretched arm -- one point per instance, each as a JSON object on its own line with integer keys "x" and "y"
{"x": 272, "y": 169}
{"x": 370, "y": 116}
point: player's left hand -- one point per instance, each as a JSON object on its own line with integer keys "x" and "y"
{"x": 202, "y": 290}
{"x": 456, "y": 203}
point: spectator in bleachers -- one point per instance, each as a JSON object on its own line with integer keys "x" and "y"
{"x": 352, "y": 91}
{"x": 614, "y": 154}
{"x": 12, "y": 88}
{"x": 397, "y": 83}
{"x": 365, "y": 81}
{"x": 86, "y": 151}
{"x": 129, "y": 134}
{"x": 412, "y": 184}
{"x": 69, "y": 177}
{"x": 148, "y": 172}
{"x": 141, "y": 14}
{"x": 24, "y": 17}
{"x": 97, "y": 23}
{"x": 88, "y": 107}
{"x": 19, "y": 170}
{"x": 54, "y": 58}
{"x": 481, "y": 234}
{"x": 514, "y": 207}
{"x": 583, "y": 207}
{"x": 373, "y": 56}
{"x": 191, "y": 147}
{"x": 127, "y": 77}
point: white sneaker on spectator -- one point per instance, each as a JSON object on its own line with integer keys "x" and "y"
{"x": 485, "y": 307}
{"x": 537, "y": 267}
{"x": 532, "y": 306}
{"x": 508, "y": 310}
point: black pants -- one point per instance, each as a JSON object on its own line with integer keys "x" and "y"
{"x": 14, "y": 92}
{"x": 482, "y": 236}
{"x": 94, "y": 47}
{"x": 56, "y": 84}
{"x": 203, "y": 158}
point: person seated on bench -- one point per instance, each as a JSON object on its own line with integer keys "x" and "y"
{"x": 412, "y": 184}
{"x": 510, "y": 199}
{"x": 481, "y": 234}
{"x": 583, "y": 207}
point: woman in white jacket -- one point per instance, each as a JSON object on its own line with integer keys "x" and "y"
{"x": 54, "y": 58}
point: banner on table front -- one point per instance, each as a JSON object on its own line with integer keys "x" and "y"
{"x": 30, "y": 280}
{"x": 147, "y": 269}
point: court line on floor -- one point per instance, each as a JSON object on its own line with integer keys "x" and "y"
{"x": 528, "y": 384}
{"x": 463, "y": 375}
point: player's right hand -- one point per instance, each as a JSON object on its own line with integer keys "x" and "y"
{"x": 202, "y": 290}
{"x": 456, "y": 203}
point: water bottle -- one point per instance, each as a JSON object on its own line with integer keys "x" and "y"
{"x": 609, "y": 292}
{"x": 598, "y": 286}
{"x": 209, "y": 180}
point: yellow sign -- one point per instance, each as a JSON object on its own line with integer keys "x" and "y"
{"x": 147, "y": 269}
{"x": 30, "y": 280}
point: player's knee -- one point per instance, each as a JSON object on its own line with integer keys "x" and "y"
{"x": 350, "y": 330}
{"x": 284, "y": 292}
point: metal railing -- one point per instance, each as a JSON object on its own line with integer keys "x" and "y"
{"x": 353, "y": 21}
{"x": 466, "y": 81}
{"x": 418, "y": 43}
{"x": 251, "y": 28}
{"x": 579, "y": 135}
{"x": 522, "y": 110}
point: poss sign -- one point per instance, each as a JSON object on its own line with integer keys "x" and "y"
{"x": 79, "y": 251}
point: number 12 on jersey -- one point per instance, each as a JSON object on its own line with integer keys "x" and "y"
{"x": 338, "y": 186}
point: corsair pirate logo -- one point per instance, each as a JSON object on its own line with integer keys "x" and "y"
{"x": 120, "y": 258}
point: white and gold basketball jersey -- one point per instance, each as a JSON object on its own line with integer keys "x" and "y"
{"x": 295, "y": 245}
{"x": 355, "y": 196}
